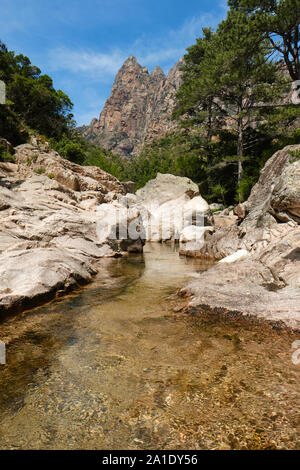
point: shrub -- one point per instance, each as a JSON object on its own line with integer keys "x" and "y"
{"x": 40, "y": 171}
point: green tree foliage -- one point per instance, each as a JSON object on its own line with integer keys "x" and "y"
{"x": 229, "y": 82}
{"x": 5, "y": 156}
{"x": 198, "y": 90}
{"x": 183, "y": 155}
{"x": 32, "y": 100}
{"x": 177, "y": 154}
{"x": 74, "y": 148}
{"x": 232, "y": 75}
{"x": 230, "y": 106}
{"x": 232, "y": 103}
{"x": 71, "y": 148}
{"x": 278, "y": 21}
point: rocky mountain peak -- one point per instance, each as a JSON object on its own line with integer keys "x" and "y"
{"x": 131, "y": 63}
{"x": 131, "y": 58}
{"x": 138, "y": 110}
{"x": 158, "y": 72}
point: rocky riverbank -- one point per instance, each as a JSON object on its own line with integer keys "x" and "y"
{"x": 263, "y": 277}
{"x": 58, "y": 219}
{"x": 48, "y": 227}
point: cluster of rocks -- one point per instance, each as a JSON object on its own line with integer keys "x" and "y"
{"x": 48, "y": 227}
{"x": 167, "y": 209}
{"x": 138, "y": 110}
{"x": 172, "y": 208}
{"x": 58, "y": 219}
{"x": 261, "y": 238}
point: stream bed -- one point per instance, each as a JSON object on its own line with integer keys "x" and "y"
{"x": 117, "y": 366}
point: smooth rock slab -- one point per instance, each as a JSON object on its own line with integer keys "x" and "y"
{"x": 48, "y": 230}
{"x": 247, "y": 288}
{"x": 237, "y": 256}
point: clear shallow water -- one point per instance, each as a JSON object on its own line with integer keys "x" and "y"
{"x": 114, "y": 367}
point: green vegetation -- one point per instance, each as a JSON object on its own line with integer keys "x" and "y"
{"x": 74, "y": 148}
{"x": 232, "y": 105}
{"x": 7, "y": 157}
{"x": 40, "y": 171}
{"x": 34, "y": 107}
{"x": 183, "y": 154}
{"x": 295, "y": 155}
{"x": 32, "y": 101}
{"x": 278, "y": 22}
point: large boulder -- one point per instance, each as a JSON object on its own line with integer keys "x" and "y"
{"x": 274, "y": 200}
{"x": 276, "y": 192}
{"x": 197, "y": 210}
{"x": 215, "y": 245}
{"x": 122, "y": 225}
{"x": 38, "y": 158}
{"x": 165, "y": 188}
{"x": 266, "y": 284}
{"x": 264, "y": 250}
{"x": 285, "y": 198}
{"x": 169, "y": 204}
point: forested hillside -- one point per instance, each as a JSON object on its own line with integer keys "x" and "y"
{"x": 234, "y": 107}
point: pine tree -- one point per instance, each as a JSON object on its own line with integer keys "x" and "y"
{"x": 235, "y": 76}
{"x": 196, "y": 105}
{"x": 278, "y": 20}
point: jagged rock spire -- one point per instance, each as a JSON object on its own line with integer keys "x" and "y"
{"x": 138, "y": 110}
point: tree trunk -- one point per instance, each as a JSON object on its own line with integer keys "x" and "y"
{"x": 240, "y": 153}
{"x": 296, "y": 52}
{"x": 209, "y": 130}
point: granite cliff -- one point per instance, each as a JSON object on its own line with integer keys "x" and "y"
{"x": 138, "y": 109}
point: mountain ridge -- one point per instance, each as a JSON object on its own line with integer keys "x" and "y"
{"x": 138, "y": 110}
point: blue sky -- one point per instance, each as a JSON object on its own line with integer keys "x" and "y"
{"x": 82, "y": 44}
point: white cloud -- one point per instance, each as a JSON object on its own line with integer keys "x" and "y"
{"x": 192, "y": 27}
{"x": 158, "y": 57}
{"x": 97, "y": 65}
